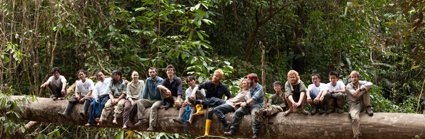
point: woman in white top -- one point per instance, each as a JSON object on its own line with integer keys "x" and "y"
{"x": 134, "y": 93}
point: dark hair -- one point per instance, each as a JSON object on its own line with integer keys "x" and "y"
{"x": 117, "y": 72}
{"x": 170, "y": 66}
{"x": 253, "y": 77}
{"x": 316, "y": 74}
{"x": 190, "y": 78}
{"x": 277, "y": 83}
{"x": 83, "y": 71}
{"x": 334, "y": 73}
{"x": 55, "y": 69}
{"x": 97, "y": 72}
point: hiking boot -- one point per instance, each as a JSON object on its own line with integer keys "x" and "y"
{"x": 369, "y": 111}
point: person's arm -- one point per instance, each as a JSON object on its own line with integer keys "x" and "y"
{"x": 308, "y": 94}
{"x": 145, "y": 91}
{"x": 227, "y": 93}
{"x": 258, "y": 94}
{"x": 198, "y": 87}
{"x": 288, "y": 93}
{"x": 364, "y": 87}
{"x": 47, "y": 82}
{"x": 128, "y": 92}
{"x": 63, "y": 80}
{"x": 303, "y": 90}
{"x": 301, "y": 98}
{"x": 162, "y": 88}
{"x": 123, "y": 92}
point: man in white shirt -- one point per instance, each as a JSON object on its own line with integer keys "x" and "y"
{"x": 83, "y": 94}
{"x": 100, "y": 95}
{"x": 335, "y": 93}
{"x": 56, "y": 83}
{"x": 315, "y": 94}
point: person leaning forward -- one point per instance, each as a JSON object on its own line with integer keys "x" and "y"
{"x": 117, "y": 92}
{"x": 151, "y": 97}
{"x": 358, "y": 98}
{"x": 295, "y": 91}
{"x": 171, "y": 89}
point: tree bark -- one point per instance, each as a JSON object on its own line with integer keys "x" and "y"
{"x": 380, "y": 126}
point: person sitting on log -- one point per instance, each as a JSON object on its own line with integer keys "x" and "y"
{"x": 295, "y": 91}
{"x": 358, "y": 98}
{"x": 240, "y": 100}
{"x": 276, "y": 103}
{"x": 252, "y": 106}
{"x": 56, "y": 84}
{"x": 335, "y": 93}
{"x": 117, "y": 92}
{"x": 200, "y": 94}
{"x": 152, "y": 98}
{"x": 100, "y": 97}
{"x": 134, "y": 92}
{"x": 83, "y": 94}
{"x": 171, "y": 89}
{"x": 316, "y": 95}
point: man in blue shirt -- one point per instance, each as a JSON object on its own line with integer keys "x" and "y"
{"x": 151, "y": 97}
{"x": 252, "y": 106}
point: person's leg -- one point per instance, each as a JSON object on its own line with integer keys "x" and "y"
{"x": 303, "y": 102}
{"x": 340, "y": 97}
{"x": 126, "y": 113}
{"x": 154, "y": 115}
{"x": 106, "y": 111}
{"x": 237, "y": 119}
{"x": 56, "y": 91}
{"x": 366, "y": 103}
{"x": 92, "y": 112}
{"x": 255, "y": 123}
{"x": 86, "y": 106}
{"x": 330, "y": 103}
{"x": 141, "y": 105}
{"x": 312, "y": 104}
{"x": 290, "y": 107}
{"x": 71, "y": 103}
{"x": 118, "y": 110}
{"x": 272, "y": 110}
{"x": 355, "y": 118}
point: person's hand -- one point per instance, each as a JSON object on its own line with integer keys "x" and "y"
{"x": 243, "y": 104}
{"x": 177, "y": 104}
{"x": 82, "y": 100}
{"x": 309, "y": 100}
{"x": 43, "y": 85}
{"x": 131, "y": 101}
{"x": 168, "y": 93}
{"x": 316, "y": 100}
{"x": 113, "y": 101}
{"x": 63, "y": 91}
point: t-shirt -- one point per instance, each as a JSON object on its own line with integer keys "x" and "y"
{"x": 278, "y": 100}
{"x": 189, "y": 90}
{"x": 339, "y": 86}
{"x": 101, "y": 88}
{"x": 83, "y": 88}
{"x": 216, "y": 91}
{"x": 116, "y": 89}
{"x": 58, "y": 82}
{"x": 294, "y": 90}
{"x": 316, "y": 89}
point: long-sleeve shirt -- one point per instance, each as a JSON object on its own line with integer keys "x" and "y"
{"x": 242, "y": 96}
{"x": 351, "y": 89}
{"x": 175, "y": 86}
{"x": 151, "y": 91}
{"x": 257, "y": 95}
{"x": 101, "y": 88}
{"x": 278, "y": 100}
{"x": 134, "y": 90}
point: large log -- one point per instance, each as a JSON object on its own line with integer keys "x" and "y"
{"x": 380, "y": 126}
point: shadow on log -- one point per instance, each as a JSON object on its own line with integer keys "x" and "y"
{"x": 380, "y": 126}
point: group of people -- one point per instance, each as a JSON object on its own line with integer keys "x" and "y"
{"x": 129, "y": 99}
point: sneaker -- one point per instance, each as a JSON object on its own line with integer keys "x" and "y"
{"x": 229, "y": 133}
{"x": 60, "y": 98}
{"x": 178, "y": 120}
{"x": 88, "y": 124}
{"x": 369, "y": 111}
{"x": 330, "y": 111}
{"x": 54, "y": 98}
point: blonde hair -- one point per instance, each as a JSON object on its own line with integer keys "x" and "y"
{"x": 355, "y": 73}
{"x": 248, "y": 83}
{"x": 219, "y": 71}
{"x": 293, "y": 72}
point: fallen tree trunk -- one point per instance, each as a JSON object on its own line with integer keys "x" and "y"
{"x": 380, "y": 126}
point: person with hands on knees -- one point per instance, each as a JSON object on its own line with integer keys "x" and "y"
{"x": 83, "y": 94}
{"x": 316, "y": 94}
{"x": 171, "y": 89}
{"x": 117, "y": 92}
{"x": 295, "y": 91}
{"x": 276, "y": 103}
{"x": 100, "y": 95}
{"x": 358, "y": 99}
{"x": 335, "y": 93}
{"x": 56, "y": 84}
{"x": 134, "y": 93}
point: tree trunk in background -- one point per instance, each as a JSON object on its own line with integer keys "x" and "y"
{"x": 380, "y": 126}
